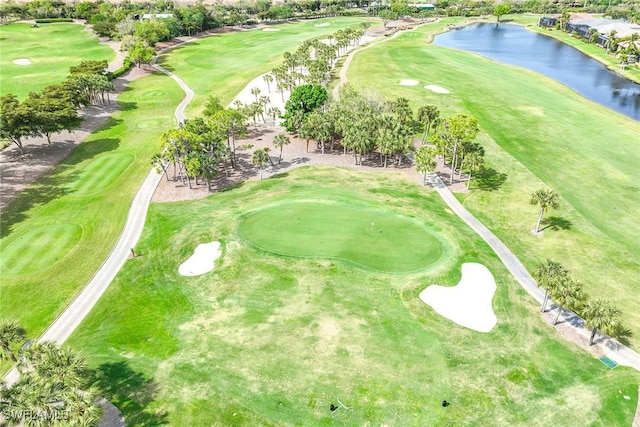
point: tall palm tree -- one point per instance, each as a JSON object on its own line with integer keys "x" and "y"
{"x": 11, "y": 333}
{"x": 612, "y": 42}
{"x": 600, "y": 315}
{"x": 268, "y": 78}
{"x": 260, "y": 159}
{"x": 548, "y": 275}
{"x": 546, "y": 199}
{"x": 279, "y": 142}
{"x": 425, "y": 162}
{"x": 567, "y": 294}
{"x": 474, "y": 161}
{"x": 428, "y": 115}
{"x": 255, "y": 91}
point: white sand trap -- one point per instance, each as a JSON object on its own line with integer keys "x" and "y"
{"x": 202, "y": 260}
{"x": 469, "y": 302}
{"x": 408, "y": 82}
{"x": 22, "y": 61}
{"x": 324, "y": 24}
{"x": 436, "y": 89}
{"x": 270, "y": 29}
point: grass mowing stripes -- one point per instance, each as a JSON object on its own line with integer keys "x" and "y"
{"x": 51, "y": 48}
{"x": 537, "y": 133}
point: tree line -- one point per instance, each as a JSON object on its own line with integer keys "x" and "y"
{"x": 562, "y": 288}
{"x": 55, "y": 108}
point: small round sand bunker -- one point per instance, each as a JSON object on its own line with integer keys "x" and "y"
{"x": 269, "y": 30}
{"x": 324, "y": 24}
{"x": 437, "y": 89}
{"x": 22, "y": 61}
{"x": 408, "y": 82}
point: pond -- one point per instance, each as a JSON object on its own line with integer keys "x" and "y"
{"x": 512, "y": 44}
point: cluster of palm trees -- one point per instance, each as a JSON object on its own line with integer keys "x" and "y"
{"x": 313, "y": 60}
{"x": 202, "y": 146}
{"x": 53, "y": 384}
{"x": 568, "y": 294}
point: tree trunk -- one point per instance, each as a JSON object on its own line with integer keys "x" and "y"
{"x": 188, "y": 181}
{"x": 48, "y": 135}
{"x": 544, "y": 302}
{"x": 555, "y": 322}
{"x": 453, "y": 163}
{"x": 322, "y": 142}
{"x": 18, "y": 142}
{"x": 593, "y": 335}
{"x": 260, "y": 172}
{"x": 307, "y": 145}
{"x": 539, "y": 220}
{"x": 424, "y": 179}
{"x": 208, "y": 185}
{"x": 385, "y": 161}
{"x": 469, "y": 180}
{"x": 280, "y": 157}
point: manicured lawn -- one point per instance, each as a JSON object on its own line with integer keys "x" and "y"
{"x": 222, "y": 65}
{"x": 52, "y": 49}
{"x": 59, "y": 230}
{"x": 368, "y": 238}
{"x": 537, "y": 133}
{"x": 274, "y": 340}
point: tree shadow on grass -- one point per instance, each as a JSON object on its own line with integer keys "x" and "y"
{"x": 489, "y": 179}
{"x": 556, "y": 223}
{"x": 130, "y": 391}
{"x": 51, "y": 185}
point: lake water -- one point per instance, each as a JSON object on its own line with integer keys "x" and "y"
{"x": 512, "y": 44}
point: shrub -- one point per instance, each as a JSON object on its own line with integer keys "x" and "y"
{"x": 52, "y": 20}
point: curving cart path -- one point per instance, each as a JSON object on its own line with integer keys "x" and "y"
{"x": 81, "y": 305}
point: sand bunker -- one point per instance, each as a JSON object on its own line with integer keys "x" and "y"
{"x": 202, "y": 260}
{"x": 271, "y": 29}
{"x": 324, "y": 24}
{"x": 408, "y": 82}
{"x": 436, "y": 89}
{"x": 22, "y": 61}
{"x": 469, "y": 302}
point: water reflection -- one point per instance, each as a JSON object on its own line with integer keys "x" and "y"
{"x": 512, "y": 44}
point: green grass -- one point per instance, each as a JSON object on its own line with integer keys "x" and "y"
{"x": 222, "y": 65}
{"x": 58, "y": 231}
{"x": 536, "y": 133}
{"x": 52, "y": 49}
{"x": 329, "y": 230}
{"x": 274, "y": 340}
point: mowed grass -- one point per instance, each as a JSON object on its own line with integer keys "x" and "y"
{"x": 58, "y": 231}
{"x": 223, "y": 64}
{"x": 537, "y": 133}
{"x": 376, "y": 240}
{"x": 274, "y": 340}
{"x": 52, "y": 49}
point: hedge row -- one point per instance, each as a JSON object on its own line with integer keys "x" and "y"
{"x": 126, "y": 66}
{"x": 51, "y": 20}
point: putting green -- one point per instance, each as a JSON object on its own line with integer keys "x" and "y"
{"x": 368, "y": 238}
{"x": 33, "y": 250}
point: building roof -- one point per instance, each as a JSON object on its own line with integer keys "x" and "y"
{"x": 622, "y": 29}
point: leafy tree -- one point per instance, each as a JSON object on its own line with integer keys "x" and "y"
{"x": 304, "y": 99}
{"x": 425, "y": 162}
{"x": 567, "y": 294}
{"x": 546, "y": 199}
{"x": 151, "y": 32}
{"x": 501, "y": 9}
{"x": 599, "y": 315}
{"x": 453, "y": 132}
{"x": 260, "y": 158}
{"x": 548, "y": 275}
{"x": 89, "y": 67}
{"x": 11, "y": 333}
{"x": 15, "y": 121}
{"x": 280, "y": 141}
{"x": 140, "y": 53}
{"x": 51, "y": 115}
{"x": 387, "y": 15}
{"x": 212, "y": 106}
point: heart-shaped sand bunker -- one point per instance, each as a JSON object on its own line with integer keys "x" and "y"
{"x": 202, "y": 260}
{"x": 469, "y": 303}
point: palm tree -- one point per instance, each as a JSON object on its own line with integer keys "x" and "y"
{"x": 612, "y": 42}
{"x": 600, "y": 315}
{"x": 567, "y": 294}
{"x": 280, "y": 141}
{"x": 268, "y": 78}
{"x": 548, "y": 275}
{"x": 427, "y": 115}
{"x": 546, "y": 199}
{"x": 425, "y": 161}
{"x": 255, "y": 91}
{"x": 11, "y": 333}
{"x": 474, "y": 161}
{"x": 260, "y": 159}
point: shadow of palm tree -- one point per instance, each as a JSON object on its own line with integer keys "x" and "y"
{"x": 129, "y": 391}
{"x": 556, "y": 223}
{"x": 489, "y": 179}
